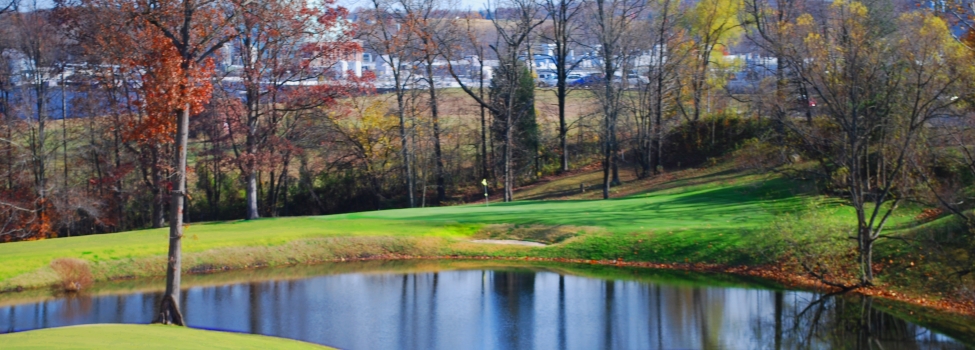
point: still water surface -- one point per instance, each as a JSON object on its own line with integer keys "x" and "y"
{"x": 505, "y": 308}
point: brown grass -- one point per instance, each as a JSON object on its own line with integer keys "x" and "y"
{"x": 534, "y": 233}
{"x": 74, "y": 274}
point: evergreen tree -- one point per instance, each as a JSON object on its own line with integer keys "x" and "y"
{"x": 524, "y": 119}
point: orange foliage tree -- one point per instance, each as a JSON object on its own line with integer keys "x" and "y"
{"x": 180, "y": 36}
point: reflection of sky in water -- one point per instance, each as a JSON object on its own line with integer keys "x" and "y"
{"x": 492, "y": 310}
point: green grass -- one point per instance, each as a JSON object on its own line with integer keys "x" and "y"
{"x": 127, "y": 336}
{"x": 706, "y": 216}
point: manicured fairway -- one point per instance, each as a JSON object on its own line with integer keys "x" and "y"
{"x": 129, "y": 336}
{"x": 705, "y": 220}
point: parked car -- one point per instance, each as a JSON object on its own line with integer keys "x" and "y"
{"x": 587, "y": 80}
{"x": 547, "y": 79}
{"x": 632, "y": 80}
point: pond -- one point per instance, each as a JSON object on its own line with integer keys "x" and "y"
{"x": 441, "y": 305}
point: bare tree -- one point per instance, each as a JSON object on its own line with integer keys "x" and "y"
{"x": 383, "y": 32}
{"x": 657, "y": 96}
{"x": 479, "y": 47}
{"x": 765, "y": 23}
{"x": 564, "y": 28}
{"x": 512, "y": 38}
{"x": 11, "y": 6}
{"x": 42, "y": 47}
{"x": 420, "y": 18}
{"x": 612, "y": 25}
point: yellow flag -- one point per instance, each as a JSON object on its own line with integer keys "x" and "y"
{"x": 484, "y": 182}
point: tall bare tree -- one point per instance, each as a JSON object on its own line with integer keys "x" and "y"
{"x": 612, "y": 24}
{"x": 43, "y": 48}
{"x": 564, "y": 27}
{"x": 657, "y": 95}
{"x": 384, "y": 33}
{"x": 422, "y": 19}
{"x": 513, "y": 33}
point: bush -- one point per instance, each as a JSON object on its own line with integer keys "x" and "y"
{"x": 74, "y": 274}
{"x": 694, "y": 143}
{"x": 757, "y": 154}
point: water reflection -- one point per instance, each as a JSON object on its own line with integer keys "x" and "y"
{"x": 506, "y": 309}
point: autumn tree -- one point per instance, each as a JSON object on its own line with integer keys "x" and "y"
{"x": 714, "y": 26}
{"x": 368, "y": 132}
{"x": 878, "y": 88}
{"x": 766, "y": 25}
{"x": 185, "y": 35}
{"x": 271, "y": 42}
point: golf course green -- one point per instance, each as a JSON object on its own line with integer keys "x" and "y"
{"x": 714, "y": 218}
{"x": 130, "y": 336}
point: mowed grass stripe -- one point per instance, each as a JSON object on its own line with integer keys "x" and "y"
{"x": 704, "y": 210}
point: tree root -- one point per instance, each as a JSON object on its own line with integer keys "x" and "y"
{"x": 169, "y": 312}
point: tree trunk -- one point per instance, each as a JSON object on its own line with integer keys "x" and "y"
{"x": 607, "y": 158}
{"x": 157, "y": 196}
{"x": 40, "y": 156}
{"x": 563, "y": 130}
{"x": 169, "y": 312}
{"x": 508, "y": 181}
{"x": 560, "y": 20}
{"x": 407, "y": 170}
{"x": 250, "y": 144}
{"x": 64, "y": 133}
{"x": 866, "y": 256}
{"x": 616, "y": 154}
{"x": 438, "y": 155}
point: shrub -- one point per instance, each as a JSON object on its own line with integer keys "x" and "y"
{"x": 692, "y": 144}
{"x": 74, "y": 273}
{"x": 758, "y": 154}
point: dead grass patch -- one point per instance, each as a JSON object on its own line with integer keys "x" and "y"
{"x": 74, "y": 274}
{"x": 534, "y": 233}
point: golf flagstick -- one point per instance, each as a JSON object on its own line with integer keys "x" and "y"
{"x": 484, "y": 182}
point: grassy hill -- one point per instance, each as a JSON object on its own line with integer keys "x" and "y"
{"x": 710, "y": 216}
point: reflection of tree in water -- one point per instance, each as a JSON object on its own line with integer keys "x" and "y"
{"x": 848, "y": 322}
{"x": 517, "y": 298}
{"x": 693, "y": 309}
{"x": 74, "y": 306}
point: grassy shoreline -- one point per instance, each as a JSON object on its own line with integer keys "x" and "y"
{"x": 703, "y": 221}
{"x": 955, "y": 325}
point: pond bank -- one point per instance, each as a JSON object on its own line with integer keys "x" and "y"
{"x": 264, "y": 300}
{"x": 379, "y": 248}
{"x": 712, "y": 222}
